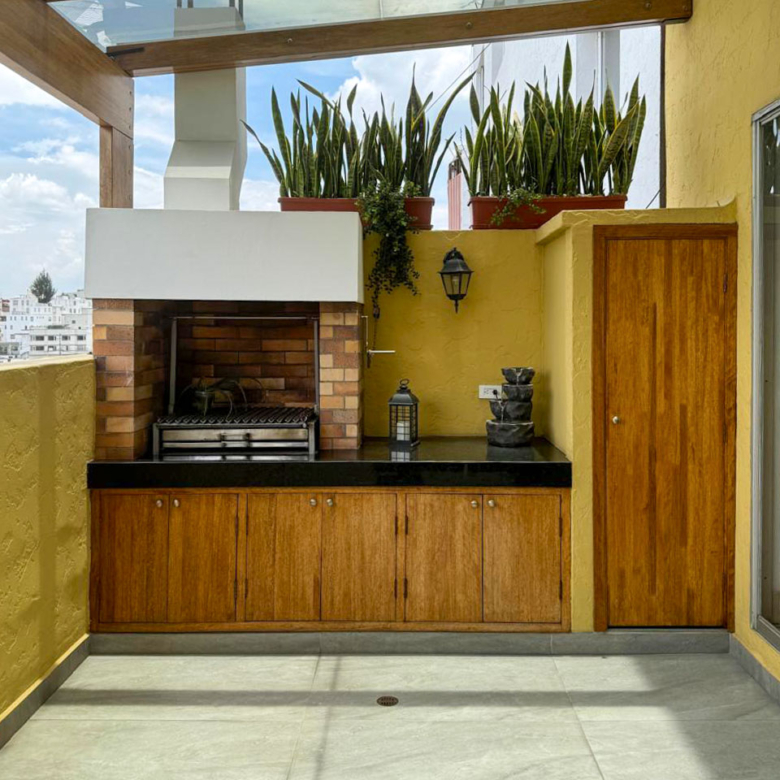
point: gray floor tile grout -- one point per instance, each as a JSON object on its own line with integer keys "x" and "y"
{"x": 577, "y": 716}
{"x": 303, "y": 717}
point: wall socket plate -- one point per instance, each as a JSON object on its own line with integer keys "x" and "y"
{"x": 489, "y": 392}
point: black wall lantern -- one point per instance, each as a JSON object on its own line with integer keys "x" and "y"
{"x": 404, "y": 423}
{"x": 455, "y": 276}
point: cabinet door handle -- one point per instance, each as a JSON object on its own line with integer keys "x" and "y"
{"x": 159, "y": 503}
{"x": 329, "y": 502}
{"x": 176, "y": 503}
{"x": 475, "y": 503}
{"x": 313, "y": 501}
{"x": 491, "y": 503}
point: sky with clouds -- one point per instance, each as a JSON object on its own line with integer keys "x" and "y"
{"x": 49, "y": 163}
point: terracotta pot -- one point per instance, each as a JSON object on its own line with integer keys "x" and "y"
{"x": 419, "y": 209}
{"x": 318, "y": 204}
{"x": 483, "y": 209}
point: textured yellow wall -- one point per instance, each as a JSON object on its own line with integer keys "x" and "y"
{"x": 557, "y": 306}
{"x": 721, "y": 67}
{"x": 445, "y": 355}
{"x": 47, "y": 413}
{"x": 566, "y": 243}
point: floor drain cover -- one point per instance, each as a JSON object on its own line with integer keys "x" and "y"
{"x": 387, "y": 701}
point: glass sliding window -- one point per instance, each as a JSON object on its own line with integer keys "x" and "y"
{"x": 766, "y": 418}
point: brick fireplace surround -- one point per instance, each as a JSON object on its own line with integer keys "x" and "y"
{"x": 272, "y": 360}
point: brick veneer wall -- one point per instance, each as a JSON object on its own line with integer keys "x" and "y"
{"x": 130, "y": 357}
{"x": 341, "y": 376}
{"x": 273, "y": 361}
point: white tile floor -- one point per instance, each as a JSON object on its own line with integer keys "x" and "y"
{"x": 667, "y": 717}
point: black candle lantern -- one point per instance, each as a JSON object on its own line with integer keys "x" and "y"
{"x": 404, "y": 426}
{"x": 455, "y": 276}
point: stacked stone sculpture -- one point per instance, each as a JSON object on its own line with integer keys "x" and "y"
{"x": 512, "y": 426}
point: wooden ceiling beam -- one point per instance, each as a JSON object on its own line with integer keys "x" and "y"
{"x": 37, "y": 43}
{"x": 386, "y": 35}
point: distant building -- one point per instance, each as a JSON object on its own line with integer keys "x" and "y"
{"x": 32, "y": 329}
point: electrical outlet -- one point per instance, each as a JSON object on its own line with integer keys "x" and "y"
{"x": 490, "y": 392}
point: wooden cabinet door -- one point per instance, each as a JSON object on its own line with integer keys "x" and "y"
{"x": 133, "y": 559}
{"x": 522, "y": 549}
{"x": 202, "y": 568}
{"x": 444, "y": 558}
{"x": 359, "y": 557}
{"x": 665, "y": 427}
{"x": 284, "y": 550}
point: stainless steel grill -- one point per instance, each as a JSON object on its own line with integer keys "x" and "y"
{"x": 290, "y": 429}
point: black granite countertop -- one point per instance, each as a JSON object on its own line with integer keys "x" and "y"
{"x": 436, "y": 462}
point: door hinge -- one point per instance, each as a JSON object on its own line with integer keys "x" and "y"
{"x": 406, "y": 588}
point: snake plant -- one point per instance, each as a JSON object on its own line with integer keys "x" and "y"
{"x": 557, "y": 148}
{"x": 423, "y": 138}
{"x": 324, "y": 157}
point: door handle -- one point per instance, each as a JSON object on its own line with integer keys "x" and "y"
{"x": 329, "y": 502}
{"x": 313, "y": 501}
{"x": 475, "y": 503}
{"x": 491, "y": 503}
{"x": 158, "y": 503}
{"x": 176, "y": 502}
{"x": 616, "y": 420}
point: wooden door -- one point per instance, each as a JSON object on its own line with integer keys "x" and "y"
{"x": 202, "y": 584}
{"x": 133, "y": 565}
{"x": 284, "y": 550}
{"x": 359, "y": 557}
{"x": 522, "y": 551}
{"x": 663, "y": 424}
{"x": 444, "y": 558}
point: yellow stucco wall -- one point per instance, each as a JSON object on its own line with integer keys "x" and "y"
{"x": 445, "y": 355}
{"x": 47, "y": 413}
{"x": 566, "y": 243}
{"x": 721, "y": 67}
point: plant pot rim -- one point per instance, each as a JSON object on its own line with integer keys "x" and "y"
{"x": 484, "y": 198}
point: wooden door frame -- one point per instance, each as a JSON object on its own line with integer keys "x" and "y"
{"x": 602, "y": 234}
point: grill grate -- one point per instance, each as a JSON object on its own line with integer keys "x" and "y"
{"x": 264, "y": 415}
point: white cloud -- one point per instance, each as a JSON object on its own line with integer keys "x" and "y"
{"x": 16, "y": 90}
{"x": 62, "y": 153}
{"x": 25, "y": 192}
{"x": 259, "y": 195}
{"x": 41, "y": 225}
{"x": 391, "y": 75}
{"x": 154, "y": 120}
{"x": 147, "y": 189}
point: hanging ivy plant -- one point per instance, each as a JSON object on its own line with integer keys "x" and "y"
{"x": 383, "y": 213}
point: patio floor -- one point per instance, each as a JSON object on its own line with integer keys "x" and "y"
{"x": 663, "y": 717}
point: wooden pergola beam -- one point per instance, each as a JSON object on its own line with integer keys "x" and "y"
{"x": 37, "y": 43}
{"x": 386, "y": 35}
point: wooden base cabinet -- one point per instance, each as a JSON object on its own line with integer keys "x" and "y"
{"x": 335, "y": 560}
{"x": 283, "y": 557}
{"x": 443, "y": 558}
{"x": 359, "y": 557}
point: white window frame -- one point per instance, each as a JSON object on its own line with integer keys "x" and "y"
{"x": 759, "y": 623}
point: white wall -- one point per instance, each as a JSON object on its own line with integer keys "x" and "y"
{"x": 224, "y": 255}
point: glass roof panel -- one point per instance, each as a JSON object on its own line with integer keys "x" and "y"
{"x": 120, "y": 22}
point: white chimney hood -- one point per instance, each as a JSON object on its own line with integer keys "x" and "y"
{"x": 224, "y": 255}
